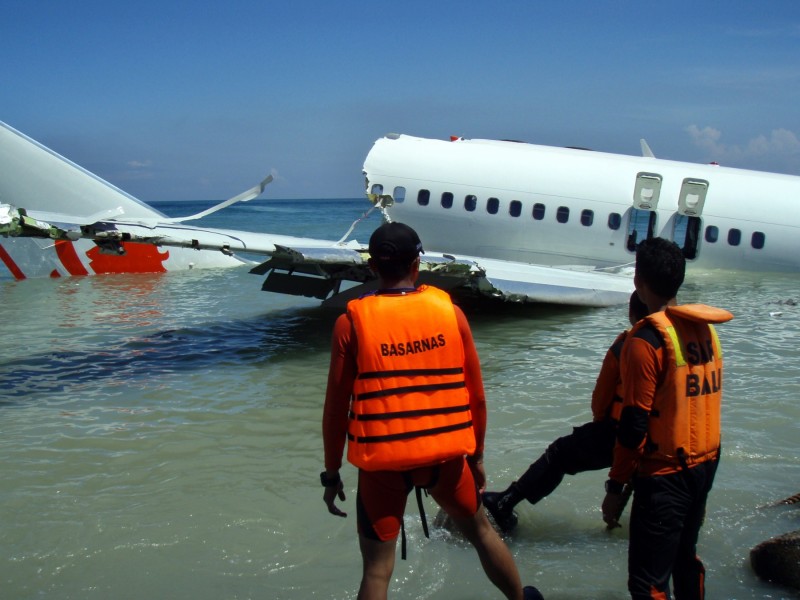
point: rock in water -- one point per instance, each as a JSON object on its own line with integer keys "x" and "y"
{"x": 778, "y": 559}
{"x": 790, "y": 500}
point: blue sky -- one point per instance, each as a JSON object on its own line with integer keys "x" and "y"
{"x": 200, "y": 100}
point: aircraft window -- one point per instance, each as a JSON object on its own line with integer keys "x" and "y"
{"x": 470, "y": 202}
{"x": 562, "y": 214}
{"x": 686, "y": 233}
{"x": 614, "y": 221}
{"x": 447, "y": 200}
{"x": 515, "y": 208}
{"x": 712, "y": 234}
{"x": 757, "y": 241}
{"x": 734, "y": 237}
{"x": 492, "y": 205}
{"x": 538, "y": 211}
{"x": 587, "y": 217}
{"x": 423, "y": 197}
{"x": 377, "y": 189}
{"x": 641, "y": 226}
{"x": 399, "y": 194}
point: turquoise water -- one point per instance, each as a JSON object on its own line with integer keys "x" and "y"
{"x": 160, "y": 436}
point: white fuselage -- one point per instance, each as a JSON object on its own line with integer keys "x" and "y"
{"x": 561, "y": 206}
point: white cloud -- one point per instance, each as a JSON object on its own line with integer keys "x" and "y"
{"x": 139, "y": 164}
{"x": 706, "y": 138}
{"x": 135, "y": 170}
{"x": 780, "y": 150}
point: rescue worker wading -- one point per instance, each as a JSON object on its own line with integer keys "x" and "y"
{"x": 405, "y": 391}
{"x": 668, "y": 440}
{"x": 588, "y": 448}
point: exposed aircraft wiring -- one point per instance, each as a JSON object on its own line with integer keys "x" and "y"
{"x": 356, "y": 222}
{"x": 245, "y": 196}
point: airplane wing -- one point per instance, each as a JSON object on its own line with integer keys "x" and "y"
{"x": 337, "y": 271}
{"x": 514, "y": 281}
{"x": 336, "y": 275}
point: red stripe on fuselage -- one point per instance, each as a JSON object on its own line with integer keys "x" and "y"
{"x": 10, "y": 264}
{"x": 69, "y": 258}
{"x": 138, "y": 258}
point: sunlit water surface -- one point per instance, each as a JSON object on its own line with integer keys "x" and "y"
{"x": 160, "y": 437}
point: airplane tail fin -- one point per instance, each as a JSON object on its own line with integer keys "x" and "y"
{"x": 36, "y": 177}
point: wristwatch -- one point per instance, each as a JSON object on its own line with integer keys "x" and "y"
{"x": 329, "y": 481}
{"x": 613, "y": 487}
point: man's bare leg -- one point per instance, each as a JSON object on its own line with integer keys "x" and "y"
{"x": 378, "y": 559}
{"x": 495, "y": 556}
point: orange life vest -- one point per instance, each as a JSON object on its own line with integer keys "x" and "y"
{"x": 410, "y": 404}
{"x": 684, "y": 426}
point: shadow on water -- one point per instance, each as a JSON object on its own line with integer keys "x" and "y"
{"x": 274, "y": 337}
{"x": 271, "y": 338}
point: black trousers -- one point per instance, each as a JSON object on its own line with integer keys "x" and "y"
{"x": 667, "y": 513}
{"x": 588, "y": 448}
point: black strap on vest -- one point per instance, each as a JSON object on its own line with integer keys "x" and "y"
{"x": 685, "y": 467}
{"x": 418, "y": 491}
{"x": 687, "y": 477}
{"x": 422, "y": 511}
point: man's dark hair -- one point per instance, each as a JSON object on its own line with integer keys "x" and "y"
{"x": 660, "y": 265}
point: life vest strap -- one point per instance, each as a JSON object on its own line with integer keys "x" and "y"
{"x": 422, "y": 511}
{"x": 408, "y": 389}
{"x": 410, "y": 373}
{"x": 445, "y": 410}
{"x": 423, "y": 518}
{"x": 677, "y": 344}
{"x": 371, "y": 439}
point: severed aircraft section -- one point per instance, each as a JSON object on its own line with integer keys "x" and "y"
{"x": 74, "y": 223}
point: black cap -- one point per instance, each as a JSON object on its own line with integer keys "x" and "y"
{"x": 394, "y": 241}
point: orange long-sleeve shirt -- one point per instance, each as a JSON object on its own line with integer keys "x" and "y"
{"x": 342, "y": 374}
{"x": 642, "y": 369}
{"x": 605, "y": 388}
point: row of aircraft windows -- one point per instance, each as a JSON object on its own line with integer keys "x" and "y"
{"x": 614, "y": 222}
{"x": 735, "y": 237}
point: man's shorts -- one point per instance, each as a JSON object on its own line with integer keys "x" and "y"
{"x": 382, "y": 495}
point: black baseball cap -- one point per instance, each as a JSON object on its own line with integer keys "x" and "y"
{"x": 394, "y": 242}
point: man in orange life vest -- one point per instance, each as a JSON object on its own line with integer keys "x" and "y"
{"x": 405, "y": 391}
{"x": 668, "y": 440}
{"x": 588, "y": 448}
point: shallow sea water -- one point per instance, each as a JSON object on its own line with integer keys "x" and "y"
{"x": 160, "y": 437}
